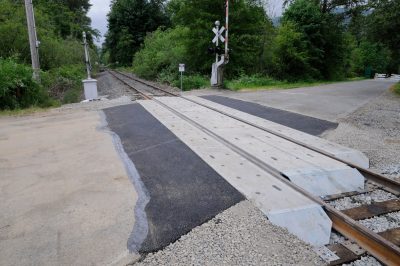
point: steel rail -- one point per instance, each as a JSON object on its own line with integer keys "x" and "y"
{"x": 144, "y": 95}
{"x": 148, "y": 84}
{"x": 392, "y": 185}
{"x": 376, "y": 245}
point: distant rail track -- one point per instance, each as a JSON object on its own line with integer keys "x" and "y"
{"x": 385, "y": 246}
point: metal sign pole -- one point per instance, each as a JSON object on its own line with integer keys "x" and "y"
{"x": 181, "y": 82}
{"x": 181, "y": 70}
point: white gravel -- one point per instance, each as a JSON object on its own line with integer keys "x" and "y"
{"x": 382, "y": 223}
{"x": 111, "y": 88}
{"x": 241, "y": 235}
{"x": 362, "y": 199}
{"x": 365, "y": 261}
{"x": 336, "y": 238}
{"x": 375, "y": 130}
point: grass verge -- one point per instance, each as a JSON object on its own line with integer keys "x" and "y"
{"x": 396, "y": 88}
{"x": 27, "y": 111}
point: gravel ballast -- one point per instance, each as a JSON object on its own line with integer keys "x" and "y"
{"x": 362, "y": 199}
{"x": 241, "y": 235}
{"x": 111, "y": 88}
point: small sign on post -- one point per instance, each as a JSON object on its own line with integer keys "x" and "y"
{"x": 181, "y": 70}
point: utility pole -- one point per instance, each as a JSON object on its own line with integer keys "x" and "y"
{"x": 87, "y": 58}
{"x": 33, "y": 41}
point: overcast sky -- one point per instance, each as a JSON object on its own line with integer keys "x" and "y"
{"x": 100, "y": 8}
{"x": 98, "y": 13}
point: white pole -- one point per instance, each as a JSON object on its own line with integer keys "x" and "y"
{"x": 227, "y": 30}
{"x": 86, "y": 55}
{"x": 33, "y": 41}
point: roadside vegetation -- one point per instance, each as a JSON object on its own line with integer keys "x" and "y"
{"x": 397, "y": 88}
{"x": 59, "y": 27}
{"x": 313, "y": 42}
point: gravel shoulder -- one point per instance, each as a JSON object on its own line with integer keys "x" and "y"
{"x": 374, "y": 129}
{"x": 240, "y": 235}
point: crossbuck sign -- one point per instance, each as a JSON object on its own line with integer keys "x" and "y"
{"x": 218, "y": 34}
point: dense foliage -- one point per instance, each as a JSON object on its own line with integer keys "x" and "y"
{"x": 128, "y": 23}
{"x": 314, "y": 40}
{"x": 59, "y": 27}
{"x": 17, "y": 88}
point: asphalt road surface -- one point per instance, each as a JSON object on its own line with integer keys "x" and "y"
{"x": 328, "y": 102}
{"x": 307, "y": 124}
{"x": 184, "y": 191}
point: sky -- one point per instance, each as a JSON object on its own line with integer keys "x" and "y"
{"x": 98, "y": 13}
{"x": 100, "y": 8}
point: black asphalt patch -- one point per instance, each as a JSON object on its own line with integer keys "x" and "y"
{"x": 307, "y": 124}
{"x": 184, "y": 191}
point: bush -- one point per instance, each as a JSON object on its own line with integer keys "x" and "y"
{"x": 254, "y": 81}
{"x": 161, "y": 54}
{"x": 17, "y": 87}
{"x": 192, "y": 82}
{"x": 290, "y": 57}
{"x": 370, "y": 55}
{"x": 65, "y": 83}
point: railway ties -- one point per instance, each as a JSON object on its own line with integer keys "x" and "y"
{"x": 144, "y": 90}
{"x": 291, "y": 176}
{"x": 349, "y": 250}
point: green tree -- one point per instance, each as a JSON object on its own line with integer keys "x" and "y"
{"x": 161, "y": 54}
{"x": 369, "y": 55}
{"x": 59, "y": 28}
{"x": 323, "y": 35}
{"x": 290, "y": 57}
{"x": 383, "y": 27}
{"x": 249, "y": 26}
{"x": 128, "y": 23}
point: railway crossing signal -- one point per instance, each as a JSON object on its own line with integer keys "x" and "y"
{"x": 218, "y": 34}
{"x": 221, "y": 58}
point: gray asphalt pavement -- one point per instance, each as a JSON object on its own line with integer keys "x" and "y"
{"x": 329, "y": 102}
{"x": 184, "y": 192}
{"x": 307, "y": 124}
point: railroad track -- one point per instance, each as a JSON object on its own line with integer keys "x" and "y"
{"x": 148, "y": 92}
{"x": 384, "y": 246}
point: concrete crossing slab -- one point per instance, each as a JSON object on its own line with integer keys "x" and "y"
{"x": 283, "y": 205}
{"x": 316, "y": 173}
{"x": 302, "y": 133}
